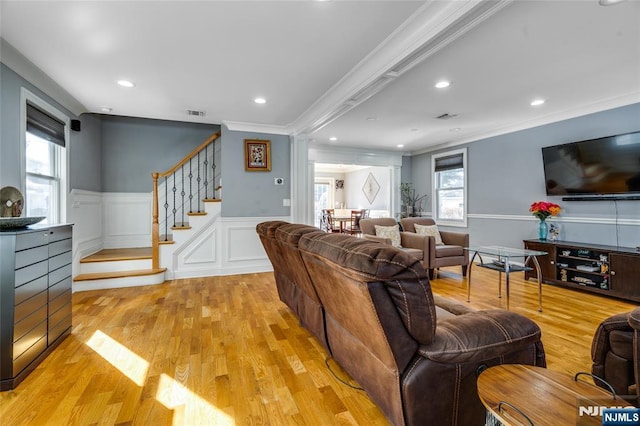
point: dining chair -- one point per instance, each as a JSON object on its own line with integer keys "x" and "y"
{"x": 353, "y": 227}
{"x": 327, "y": 223}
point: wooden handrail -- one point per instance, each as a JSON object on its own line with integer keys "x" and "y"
{"x": 190, "y": 155}
{"x": 155, "y": 226}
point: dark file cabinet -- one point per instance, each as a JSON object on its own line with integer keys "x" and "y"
{"x": 35, "y": 297}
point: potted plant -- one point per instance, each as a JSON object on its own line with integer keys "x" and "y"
{"x": 411, "y": 202}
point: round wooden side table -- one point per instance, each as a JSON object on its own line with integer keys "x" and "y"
{"x": 515, "y": 394}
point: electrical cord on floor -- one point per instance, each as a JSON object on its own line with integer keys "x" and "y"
{"x": 326, "y": 362}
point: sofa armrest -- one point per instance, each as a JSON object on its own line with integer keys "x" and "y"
{"x": 421, "y": 242}
{"x": 600, "y": 343}
{"x": 634, "y": 319}
{"x": 455, "y": 238}
{"x": 481, "y": 335}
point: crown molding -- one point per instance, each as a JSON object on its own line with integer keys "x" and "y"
{"x": 239, "y": 126}
{"x": 579, "y": 111}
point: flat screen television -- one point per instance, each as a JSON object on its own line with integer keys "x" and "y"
{"x": 603, "y": 166}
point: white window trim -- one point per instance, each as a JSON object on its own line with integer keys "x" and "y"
{"x": 62, "y": 161}
{"x": 434, "y": 200}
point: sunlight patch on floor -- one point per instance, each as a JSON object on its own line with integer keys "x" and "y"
{"x": 189, "y": 408}
{"x": 128, "y": 362}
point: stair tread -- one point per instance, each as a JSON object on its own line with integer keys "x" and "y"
{"x": 110, "y": 255}
{"x": 118, "y": 274}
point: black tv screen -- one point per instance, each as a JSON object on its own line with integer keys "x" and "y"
{"x": 609, "y": 165}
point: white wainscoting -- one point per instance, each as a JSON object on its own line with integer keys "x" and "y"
{"x": 223, "y": 246}
{"x": 85, "y": 213}
{"x": 127, "y": 219}
{"x": 215, "y": 246}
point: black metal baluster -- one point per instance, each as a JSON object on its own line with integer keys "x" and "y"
{"x": 206, "y": 183}
{"x": 190, "y": 187}
{"x": 198, "y": 180}
{"x": 182, "y": 193}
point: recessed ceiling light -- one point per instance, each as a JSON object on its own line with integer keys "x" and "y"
{"x": 537, "y": 102}
{"x": 609, "y": 2}
{"x": 372, "y": 118}
{"x": 260, "y": 100}
{"x": 333, "y": 139}
{"x": 442, "y": 84}
{"x": 126, "y": 83}
{"x": 400, "y": 145}
{"x": 455, "y": 129}
{"x": 106, "y": 109}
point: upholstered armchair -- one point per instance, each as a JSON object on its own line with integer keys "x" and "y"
{"x": 414, "y": 244}
{"x": 451, "y": 252}
{"x": 615, "y": 352}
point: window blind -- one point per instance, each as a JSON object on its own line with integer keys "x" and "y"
{"x": 450, "y": 162}
{"x": 44, "y": 126}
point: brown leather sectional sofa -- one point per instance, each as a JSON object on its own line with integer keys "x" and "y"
{"x": 416, "y": 355}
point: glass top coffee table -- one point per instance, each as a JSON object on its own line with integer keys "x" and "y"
{"x": 502, "y": 262}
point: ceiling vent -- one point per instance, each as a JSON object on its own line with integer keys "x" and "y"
{"x": 446, "y": 116}
{"x": 195, "y": 113}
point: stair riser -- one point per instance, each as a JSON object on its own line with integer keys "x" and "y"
{"x": 118, "y": 282}
{"x": 116, "y": 265}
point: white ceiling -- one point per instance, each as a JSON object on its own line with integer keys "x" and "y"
{"x": 327, "y": 67}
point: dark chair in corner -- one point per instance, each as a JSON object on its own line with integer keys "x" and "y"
{"x": 615, "y": 352}
{"x": 451, "y": 253}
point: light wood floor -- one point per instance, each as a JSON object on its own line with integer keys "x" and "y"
{"x": 225, "y": 350}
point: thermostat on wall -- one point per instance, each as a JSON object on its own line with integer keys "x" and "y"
{"x": 278, "y": 181}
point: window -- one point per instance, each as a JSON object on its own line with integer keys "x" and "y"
{"x": 450, "y": 187}
{"x": 44, "y": 160}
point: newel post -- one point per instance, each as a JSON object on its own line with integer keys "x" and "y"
{"x": 155, "y": 227}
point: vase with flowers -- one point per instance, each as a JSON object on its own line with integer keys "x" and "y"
{"x": 542, "y": 210}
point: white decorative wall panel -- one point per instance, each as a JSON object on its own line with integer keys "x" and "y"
{"x": 243, "y": 243}
{"x": 127, "y": 220}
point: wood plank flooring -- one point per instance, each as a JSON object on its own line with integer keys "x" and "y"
{"x": 226, "y": 351}
{"x": 107, "y": 255}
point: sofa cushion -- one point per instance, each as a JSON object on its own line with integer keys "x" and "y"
{"x": 390, "y": 232}
{"x": 449, "y": 251}
{"x": 418, "y": 254}
{"x": 429, "y": 230}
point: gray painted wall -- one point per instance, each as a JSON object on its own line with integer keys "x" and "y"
{"x": 10, "y": 163}
{"x": 133, "y": 148}
{"x": 85, "y": 157}
{"x": 505, "y": 175}
{"x": 253, "y": 194}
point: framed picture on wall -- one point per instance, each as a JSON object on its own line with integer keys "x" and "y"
{"x": 257, "y": 155}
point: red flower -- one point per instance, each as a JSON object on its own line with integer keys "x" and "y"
{"x": 544, "y": 209}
